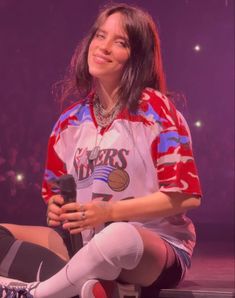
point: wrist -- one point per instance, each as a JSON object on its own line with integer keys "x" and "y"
{"x": 116, "y": 211}
{"x": 122, "y": 210}
{"x": 111, "y": 214}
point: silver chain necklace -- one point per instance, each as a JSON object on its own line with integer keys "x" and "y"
{"x": 103, "y": 119}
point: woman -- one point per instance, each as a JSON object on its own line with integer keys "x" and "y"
{"x": 129, "y": 152}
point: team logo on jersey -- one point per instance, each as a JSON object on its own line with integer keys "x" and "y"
{"x": 109, "y": 167}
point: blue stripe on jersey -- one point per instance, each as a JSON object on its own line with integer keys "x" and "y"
{"x": 82, "y": 114}
{"x": 151, "y": 112}
{"x": 171, "y": 139}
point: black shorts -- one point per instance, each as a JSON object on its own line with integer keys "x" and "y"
{"x": 170, "y": 276}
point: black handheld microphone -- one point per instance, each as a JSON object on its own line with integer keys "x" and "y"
{"x": 67, "y": 187}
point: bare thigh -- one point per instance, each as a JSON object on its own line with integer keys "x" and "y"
{"x": 43, "y": 236}
{"x": 152, "y": 262}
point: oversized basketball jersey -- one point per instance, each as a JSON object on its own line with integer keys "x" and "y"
{"x": 136, "y": 155}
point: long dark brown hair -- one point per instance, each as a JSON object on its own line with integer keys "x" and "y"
{"x": 143, "y": 69}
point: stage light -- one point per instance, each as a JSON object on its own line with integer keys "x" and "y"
{"x": 198, "y": 123}
{"x": 19, "y": 177}
{"x": 197, "y": 48}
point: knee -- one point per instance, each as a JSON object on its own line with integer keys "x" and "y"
{"x": 118, "y": 228}
{"x": 122, "y": 242}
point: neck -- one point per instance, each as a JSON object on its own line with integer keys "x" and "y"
{"x": 106, "y": 94}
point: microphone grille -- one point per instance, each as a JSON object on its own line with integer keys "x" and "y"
{"x": 66, "y": 183}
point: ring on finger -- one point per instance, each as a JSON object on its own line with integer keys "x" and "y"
{"x": 83, "y": 215}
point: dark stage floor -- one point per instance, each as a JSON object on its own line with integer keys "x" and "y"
{"x": 213, "y": 270}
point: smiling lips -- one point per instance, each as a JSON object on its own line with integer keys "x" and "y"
{"x": 100, "y": 59}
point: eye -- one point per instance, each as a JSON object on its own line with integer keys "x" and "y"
{"x": 99, "y": 35}
{"x": 122, "y": 43}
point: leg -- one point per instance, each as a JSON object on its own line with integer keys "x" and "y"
{"x": 117, "y": 250}
{"x": 25, "y": 260}
{"x": 156, "y": 258}
{"x": 103, "y": 257}
{"x": 42, "y": 236}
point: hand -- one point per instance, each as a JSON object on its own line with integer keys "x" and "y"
{"x": 54, "y": 210}
{"x": 79, "y": 217}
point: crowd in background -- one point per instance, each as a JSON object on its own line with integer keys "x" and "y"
{"x": 25, "y": 128}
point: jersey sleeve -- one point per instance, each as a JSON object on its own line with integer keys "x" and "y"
{"x": 54, "y": 167}
{"x": 173, "y": 155}
{"x": 56, "y": 152}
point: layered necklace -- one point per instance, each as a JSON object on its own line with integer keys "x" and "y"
{"x": 103, "y": 118}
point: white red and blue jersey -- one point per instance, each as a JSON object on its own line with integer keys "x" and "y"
{"x": 140, "y": 153}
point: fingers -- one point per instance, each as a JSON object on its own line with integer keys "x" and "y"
{"x": 74, "y": 217}
{"x": 53, "y": 218}
{"x": 72, "y": 207}
{"x": 53, "y": 223}
{"x": 75, "y": 227}
{"x": 57, "y": 213}
{"x": 73, "y": 212}
{"x": 54, "y": 210}
{"x": 56, "y": 199}
{"x": 77, "y": 217}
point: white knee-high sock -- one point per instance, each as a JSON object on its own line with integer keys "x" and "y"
{"x": 118, "y": 246}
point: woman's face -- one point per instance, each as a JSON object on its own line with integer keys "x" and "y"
{"x": 109, "y": 51}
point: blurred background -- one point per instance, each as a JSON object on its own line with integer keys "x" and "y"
{"x": 37, "y": 39}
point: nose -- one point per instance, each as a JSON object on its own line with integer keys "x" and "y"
{"x": 106, "y": 46}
